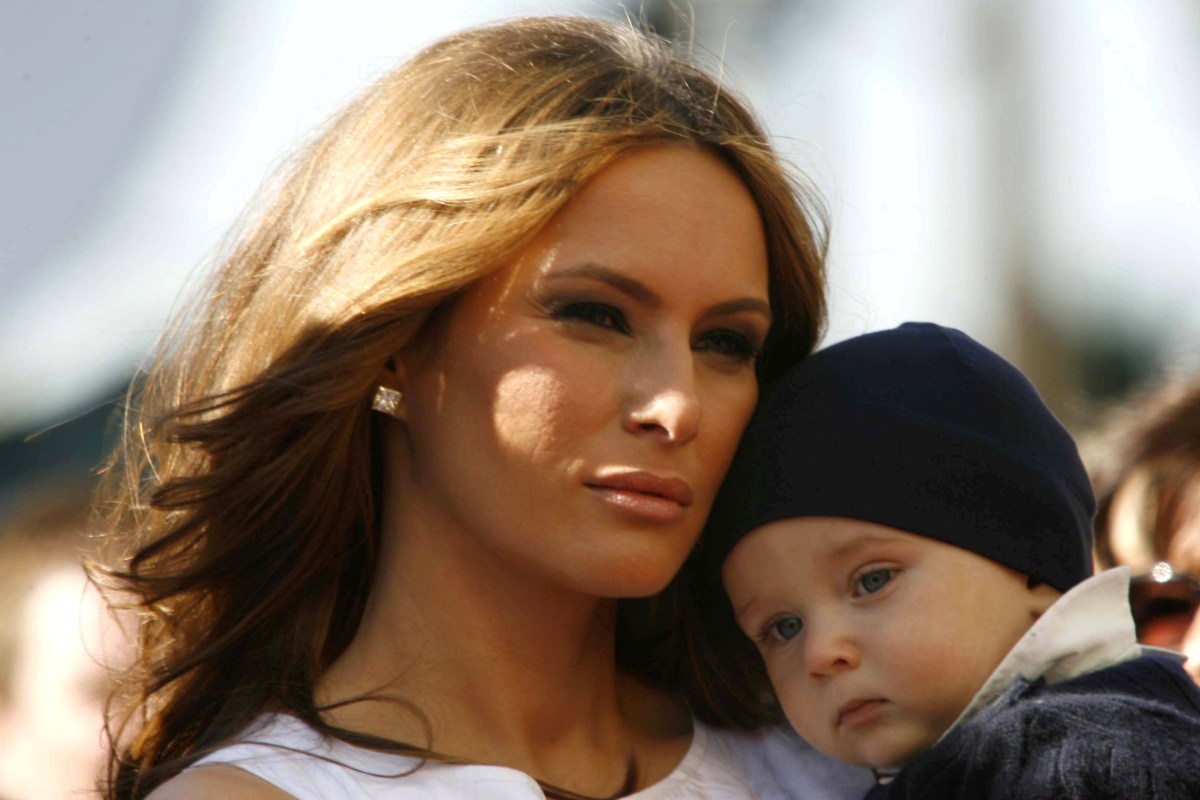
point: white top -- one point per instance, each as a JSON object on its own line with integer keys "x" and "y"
{"x": 720, "y": 765}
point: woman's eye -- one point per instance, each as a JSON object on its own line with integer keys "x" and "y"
{"x": 785, "y": 628}
{"x": 729, "y": 343}
{"x": 871, "y": 582}
{"x": 601, "y": 315}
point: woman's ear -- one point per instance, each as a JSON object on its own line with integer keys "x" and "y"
{"x": 389, "y": 393}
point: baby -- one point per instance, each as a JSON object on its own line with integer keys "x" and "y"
{"x": 905, "y": 535}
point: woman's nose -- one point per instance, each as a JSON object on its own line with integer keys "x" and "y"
{"x": 664, "y": 402}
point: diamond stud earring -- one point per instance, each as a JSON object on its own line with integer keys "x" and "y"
{"x": 386, "y": 401}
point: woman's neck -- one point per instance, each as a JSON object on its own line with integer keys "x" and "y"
{"x": 501, "y": 668}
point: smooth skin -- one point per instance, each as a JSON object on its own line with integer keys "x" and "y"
{"x": 875, "y": 639}
{"x": 558, "y": 446}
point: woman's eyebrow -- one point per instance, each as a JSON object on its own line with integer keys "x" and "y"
{"x": 619, "y": 281}
{"x": 647, "y": 296}
{"x": 751, "y": 304}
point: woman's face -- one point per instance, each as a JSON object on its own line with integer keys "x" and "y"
{"x": 1167, "y": 613}
{"x": 577, "y": 412}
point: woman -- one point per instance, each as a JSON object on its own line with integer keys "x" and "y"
{"x": 1145, "y": 465}
{"x": 463, "y": 394}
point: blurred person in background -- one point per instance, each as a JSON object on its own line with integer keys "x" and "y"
{"x": 57, "y": 641}
{"x": 1145, "y": 466}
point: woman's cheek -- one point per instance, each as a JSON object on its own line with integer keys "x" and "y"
{"x": 529, "y": 401}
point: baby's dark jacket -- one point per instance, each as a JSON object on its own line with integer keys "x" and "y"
{"x": 1131, "y": 730}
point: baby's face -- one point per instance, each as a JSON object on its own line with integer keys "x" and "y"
{"x": 875, "y": 639}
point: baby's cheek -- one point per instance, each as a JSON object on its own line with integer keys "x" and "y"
{"x": 801, "y": 707}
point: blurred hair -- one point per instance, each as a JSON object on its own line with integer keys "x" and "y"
{"x": 1145, "y": 466}
{"x": 47, "y": 531}
{"x": 244, "y": 499}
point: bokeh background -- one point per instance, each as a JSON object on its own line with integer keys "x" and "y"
{"x": 1025, "y": 170}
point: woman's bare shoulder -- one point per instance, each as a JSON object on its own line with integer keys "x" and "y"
{"x": 218, "y": 782}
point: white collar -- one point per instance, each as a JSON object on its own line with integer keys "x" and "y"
{"x": 1087, "y": 629}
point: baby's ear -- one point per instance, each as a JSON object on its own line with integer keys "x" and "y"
{"x": 1041, "y": 596}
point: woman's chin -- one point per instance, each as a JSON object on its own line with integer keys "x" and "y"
{"x": 642, "y": 577}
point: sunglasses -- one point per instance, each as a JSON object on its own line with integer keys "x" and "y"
{"x": 1164, "y": 603}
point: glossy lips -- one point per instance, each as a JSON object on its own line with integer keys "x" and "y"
{"x": 644, "y": 495}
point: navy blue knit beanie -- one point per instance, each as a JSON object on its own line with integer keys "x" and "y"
{"x": 919, "y": 428}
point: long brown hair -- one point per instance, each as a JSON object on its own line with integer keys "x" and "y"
{"x": 243, "y": 503}
{"x": 1146, "y": 458}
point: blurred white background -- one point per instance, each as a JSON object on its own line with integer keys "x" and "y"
{"x": 1021, "y": 169}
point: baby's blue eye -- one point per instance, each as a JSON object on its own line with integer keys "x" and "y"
{"x": 871, "y": 582}
{"x": 786, "y": 628}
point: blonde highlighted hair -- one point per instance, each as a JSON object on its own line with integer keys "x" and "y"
{"x": 244, "y": 496}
